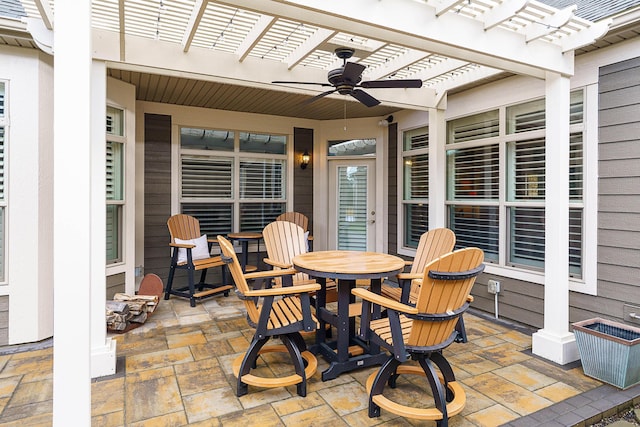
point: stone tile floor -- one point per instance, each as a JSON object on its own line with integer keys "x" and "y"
{"x": 176, "y": 370}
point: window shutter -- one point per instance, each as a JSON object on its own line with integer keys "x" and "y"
{"x": 2, "y": 99}
{"x": 254, "y": 216}
{"x": 576, "y": 162}
{"x": 471, "y": 128}
{"x": 114, "y": 213}
{"x": 206, "y": 177}
{"x": 575, "y": 242}
{"x": 261, "y": 179}
{"x": 473, "y": 173}
{"x": 114, "y": 177}
{"x": 476, "y": 226}
{"x": 2, "y": 164}
{"x": 527, "y": 180}
{"x": 526, "y": 243}
{"x": 352, "y": 216}
{"x": 215, "y": 218}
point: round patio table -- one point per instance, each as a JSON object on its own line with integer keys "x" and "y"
{"x": 345, "y": 267}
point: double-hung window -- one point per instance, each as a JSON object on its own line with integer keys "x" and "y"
{"x": 415, "y": 184}
{"x": 232, "y": 181}
{"x": 3, "y": 198}
{"x": 496, "y": 184}
{"x": 115, "y": 184}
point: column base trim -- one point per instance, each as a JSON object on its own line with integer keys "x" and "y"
{"x": 559, "y": 348}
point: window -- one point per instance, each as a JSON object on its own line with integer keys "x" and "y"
{"x": 115, "y": 184}
{"x": 481, "y": 159}
{"x": 3, "y": 198}
{"x": 415, "y": 184}
{"x": 232, "y": 181}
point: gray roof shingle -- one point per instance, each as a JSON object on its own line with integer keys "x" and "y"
{"x": 595, "y": 10}
{"x": 11, "y": 9}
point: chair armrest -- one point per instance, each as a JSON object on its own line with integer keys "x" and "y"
{"x": 384, "y": 302}
{"x": 182, "y": 245}
{"x": 276, "y": 263}
{"x": 409, "y": 276}
{"x": 286, "y": 290}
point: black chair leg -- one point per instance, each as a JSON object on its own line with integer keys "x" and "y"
{"x": 298, "y": 362}
{"x": 462, "y": 332}
{"x": 386, "y": 371}
{"x": 249, "y": 362}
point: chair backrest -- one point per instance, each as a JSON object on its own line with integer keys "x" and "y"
{"x": 433, "y": 244}
{"x": 183, "y": 227}
{"x": 296, "y": 218}
{"x": 284, "y": 240}
{"x": 238, "y": 277}
{"x": 446, "y": 284}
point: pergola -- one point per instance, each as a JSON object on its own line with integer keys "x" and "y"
{"x": 244, "y": 45}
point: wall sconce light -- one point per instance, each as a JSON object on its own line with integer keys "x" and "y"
{"x": 305, "y": 160}
{"x": 385, "y": 122}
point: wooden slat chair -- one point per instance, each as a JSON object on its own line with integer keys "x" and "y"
{"x": 299, "y": 219}
{"x": 420, "y": 333}
{"x": 432, "y": 244}
{"x": 185, "y": 236}
{"x": 282, "y": 312}
{"x": 284, "y": 240}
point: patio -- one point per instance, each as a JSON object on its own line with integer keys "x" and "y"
{"x": 175, "y": 370}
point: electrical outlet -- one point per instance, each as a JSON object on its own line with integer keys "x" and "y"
{"x": 493, "y": 286}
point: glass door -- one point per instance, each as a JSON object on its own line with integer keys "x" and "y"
{"x": 352, "y": 204}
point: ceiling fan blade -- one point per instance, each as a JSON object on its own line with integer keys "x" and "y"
{"x": 352, "y": 72}
{"x": 284, "y": 82}
{"x": 322, "y": 95}
{"x": 365, "y": 98}
{"x": 409, "y": 83}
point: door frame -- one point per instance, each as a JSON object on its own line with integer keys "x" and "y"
{"x": 372, "y": 202}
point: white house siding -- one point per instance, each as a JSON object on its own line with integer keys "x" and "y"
{"x": 29, "y": 286}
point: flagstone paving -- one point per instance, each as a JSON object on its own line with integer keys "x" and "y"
{"x": 176, "y": 370}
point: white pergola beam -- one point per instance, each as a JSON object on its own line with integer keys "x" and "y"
{"x": 587, "y": 36}
{"x": 307, "y": 48}
{"x": 260, "y": 29}
{"x": 445, "y": 6}
{"x": 442, "y": 67}
{"x": 415, "y": 25}
{"x": 504, "y": 12}
{"x": 391, "y": 67}
{"x": 549, "y": 24}
{"x": 45, "y": 13}
{"x": 192, "y": 26}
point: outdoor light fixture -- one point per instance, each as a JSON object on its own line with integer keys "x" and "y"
{"x": 305, "y": 160}
{"x": 385, "y": 122}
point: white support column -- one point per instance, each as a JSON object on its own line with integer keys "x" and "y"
{"x": 103, "y": 350}
{"x": 72, "y": 214}
{"x": 437, "y": 168}
{"x": 554, "y": 341}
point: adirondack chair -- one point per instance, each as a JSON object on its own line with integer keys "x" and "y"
{"x": 420, "y": 333}
{"x": 298, "y": 219}
{"x": 284, "y": 240}
{"x": 274, "y": 312}
{"x": 432, "y": 244}
{"x": 192, "y": 252}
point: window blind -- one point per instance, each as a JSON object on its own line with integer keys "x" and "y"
{"x": 262, "y": 179}
{"x": 526, "y": 242}
{"x": 471, "y": 128}
{"x": 352, "y": 212}
{"x": 204, "y": 176}
{"x": 527, "y": 177}
{"x": 476, "y": 226}
{"x": 415, "y": 185}
{"x": 114, "y": 219}
{"x": 215, "y": 218}
{"x": 576, "y": 162}
{"x": 473, "y": 173}
{"x": 255, "y": 216}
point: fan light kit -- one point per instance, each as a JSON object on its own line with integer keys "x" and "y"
{"x": 347, "y": 80}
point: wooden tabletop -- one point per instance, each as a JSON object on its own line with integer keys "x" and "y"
{"x": 245, "y": 235}
{"x": 348, "y": 263}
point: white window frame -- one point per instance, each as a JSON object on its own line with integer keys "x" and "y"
{"x": 119, "y": 266}
{"x": 589, "y": 128}
{"x": 237, "y": 157}
{"x": 4, "y": 123}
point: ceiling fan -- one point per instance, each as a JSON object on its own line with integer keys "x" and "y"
{"x": 346, "y": 80}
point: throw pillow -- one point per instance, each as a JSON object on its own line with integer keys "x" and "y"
{"x": 201, "y": 250}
